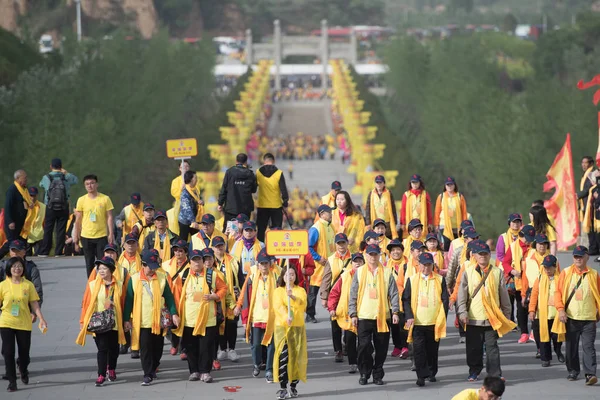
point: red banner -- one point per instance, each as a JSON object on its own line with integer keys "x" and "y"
{"x": 562, "y": 206}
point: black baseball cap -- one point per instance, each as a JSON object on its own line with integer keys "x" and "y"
{"x": 148, "y": 206}
{"x": 415, "y": 222}
{"x": 135, "y": 198}
{"x": 549, "y": 261}
{"x": 323, "y": 208}
{"x": 416, "y": 245}
{"x": 151, "y": 259}
{"x": 241, "y": 218}
{"x": 580, "y": 251}
{"x": 160, "y": 214}
{"x": 380, "y": 179}
{"x": 394, "y": 243}
{"x": 373, "y": 249}
{"x": 336, "y": 185}
{"x": 341, "y": 237}
{"x": 218, "y": 241}
{"x": 249, "y": 225}
{"x": 378, "y": 221}
{"x": 415, "y": 178}
{"x": 425, "y": 258}
{"x": 207, "y": 219}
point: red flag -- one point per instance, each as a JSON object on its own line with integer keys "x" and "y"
{"x": 562, "y": 206}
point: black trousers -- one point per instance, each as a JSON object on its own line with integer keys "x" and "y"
{"x": 368, "y": 340}
{"x": 185, "y": 232}
{"x": 586, "y": 332}
{"x": 283, "y": 367}
{"x": 522, "y": 314}
{"x": 336, "y": 336}
{"x": 313, "y": 291}
{"x": 263, "y": 215}
{"x": 425, "y": 351}
{"x": 447, "y": 241}
{"x": 23, "y": 341}
{"x": 199, "y": 349}
{"x": 52, "y": 219}
{"x": 151, "y": 349}
{"x": 229, "y": 337}
{"x": 545, "y": 350}
{"x": 399, "y": 334}
{"x": 93, "y": 249}
{"x": 175, "y": 340}
{"x": 476, "y": 336}
{"x": 594, "y": 239}
{"x": 350, "y": 340}
{"x": 107, "y": 344}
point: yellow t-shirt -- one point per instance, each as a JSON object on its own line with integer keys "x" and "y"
{"x": 15, "y": 299}
{"x": 467, "y": 394}
{"x": 93, "y": 224}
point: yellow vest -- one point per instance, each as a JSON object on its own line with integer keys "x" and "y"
{"x": 533, "y": 268}
{"x": 198, "y": 240}
{"x": 428, "y": 301}
{"x": 132, "y": 267}
{"x": 37, "y": 228}
{"x": 146, "y": 299}
{"x": 102, "y": 297}
{"x": 269, "y": 195}
{"x": 132, "y": 217}
{"x": 582, "y": 307}
{"x": 551, "y": 308}
{"x": 325, "y": 248}
{"x": 192, "y": 308}
{"x": 368, "y": 306}
{"x": 337, "y": 265}
{"x": 260, "y": 313}
{"x": 477, "y": 311}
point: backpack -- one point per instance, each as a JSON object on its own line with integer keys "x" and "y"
{"x": 57, "y": 194}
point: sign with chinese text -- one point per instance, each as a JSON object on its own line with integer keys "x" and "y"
{"x": 182, "y": 148}
{"x": 287, "y": 243}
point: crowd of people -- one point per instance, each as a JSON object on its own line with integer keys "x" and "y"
{"x": 300, "y": 146}
{"x": 186, "y": 275}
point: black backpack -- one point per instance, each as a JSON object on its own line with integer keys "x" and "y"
{"x": 57, "y": 194}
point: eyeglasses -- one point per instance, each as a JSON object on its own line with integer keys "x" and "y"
{"x": 17, "y": 266}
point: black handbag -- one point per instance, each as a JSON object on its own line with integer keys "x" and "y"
{"x": 102, "y": 321}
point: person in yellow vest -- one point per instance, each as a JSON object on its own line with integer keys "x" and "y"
{"x": 412, "y": 262}
{"x": 492, "y": 389}
{"x": 425, "y": 300}
{"x": 255, "y": 307}
{"x": 372, "y": 294}
{"x": 130, "y": 215}
{"x": 272, "y": 196}
{"x": 587, "y": 181}
{"x": 208, "y": 231}
{"x": 130, "y": 258}
{"x": 433, "y": 247}
{"x": 415, "y": 232}
{"x": 148, "y": 293}
{"x": 397, "y": 263}
{"x": 161, "y": 238}
{"x": 577, "y": 301}
{"x": 591, "y": 219}
{"x": 289, "y": 336}
{"x": 469, "y": 262}
{"x": 337, "y": 264}
{"x": 380, "y": 204}
{"x": 484, "y": 308}
{"x": 102, "y": 293}
{"x": 542, "y": 224}
{"x": 177, "y": 186}
{"x": 416, "y": 203}
{"x": 321, "y": 242}
{"x": 120, "y": 273}
{"x": 230, "y": 269}
{"x": 36, "y": 234}
{"x": 142, "y": 228}
{"x": 457, "y": 242}
{"x": 337, "y": 305}
{"x": 175, "y": 267}
{"x": 329, "y": 198}
{"x": 459, "y": 257}
{"x": 245, "y": 250}
{"x": 515, "y": 223}
{"x": 542, "y": 311}
{"x": 450, "y": 211}
{"x": 379, "y": 227}
{"x": 199, "y": 294}
{"x": 348, "y": 220}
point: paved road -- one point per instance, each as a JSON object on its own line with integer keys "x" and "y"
{"x": 62, "y": 370}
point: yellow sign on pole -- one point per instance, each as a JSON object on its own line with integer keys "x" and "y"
{"x": 287, "y": 243}
{"x": 182, "y": 148}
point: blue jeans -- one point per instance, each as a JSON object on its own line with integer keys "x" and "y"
{"x": 256, "y": 347}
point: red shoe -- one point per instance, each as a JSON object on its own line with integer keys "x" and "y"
{"x": 404, "y": 353}
{"x": 396, "y": 352}
{"x": 523, "y": 339}
{"x": 112, "y": 375}
{"x": 216, "y": 365}
{"x": 183, "y": 356}
{"x": 173, "y": 351}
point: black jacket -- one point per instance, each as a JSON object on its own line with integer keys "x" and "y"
{"x": 14, "y": 210}
{"x": 268, "y": 171}
{"x": 236, "y": 192}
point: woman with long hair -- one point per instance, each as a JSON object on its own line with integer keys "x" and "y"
{"x": 416, "y": 204}
{"x": 291, "y": 355}
{"x": 18, "y": 299}
{"x": 543, "y": 225}
{"x": 450, "y": 211}
{"x": 104, "y": 292}
{"x": 191, "y": 208}
{"x": 346, "y": 219}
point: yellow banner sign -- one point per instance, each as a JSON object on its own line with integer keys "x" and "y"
{"x": 287, "y": 243}
{"x": 182, "y": 148}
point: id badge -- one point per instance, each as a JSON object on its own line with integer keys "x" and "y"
{"x": 14, "y": 310}
{"x": 107, "y": 304}
{"x": 372, "y": 293}
{"x": 197, "y": 297}
{"x": 92, "y": 217}
{"x": 265, "y": 303}
{"x": 579, "y": 294}
{"x": 424, "y": 301}
{"x": 551, "y": 301}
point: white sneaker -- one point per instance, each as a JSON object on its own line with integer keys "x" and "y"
{"x": 353, "y": 369}
{"x": 233, "y": 356}
{"x": 221, "y": 355}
